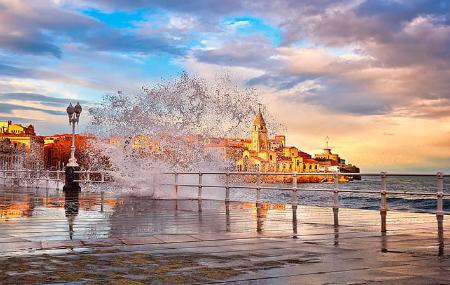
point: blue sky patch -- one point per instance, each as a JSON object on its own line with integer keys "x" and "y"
{"x": 253, "y": 25}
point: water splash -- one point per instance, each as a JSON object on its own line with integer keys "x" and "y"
{"x": 168, "y": 125}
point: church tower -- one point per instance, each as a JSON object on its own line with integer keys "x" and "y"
{"x": 260, "y": 138}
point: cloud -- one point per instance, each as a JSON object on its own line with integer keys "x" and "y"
{"x": 33, "y": 28}
{"x": 204, "y": 7}
{"x": 365, "y": 57}
{"x": 39, "y": 98}
{"x": 31, "y": 43}
{"x": 6, "y": 108}
{"x": 248, "y": 51}
{"x": 426, "y": 108}
{"x": 29, "y": 27}
{"x": 9, "y": 70}
{"x": 348, "y": 68}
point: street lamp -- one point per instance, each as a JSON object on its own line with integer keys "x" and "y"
{"x": 74, "y": 117}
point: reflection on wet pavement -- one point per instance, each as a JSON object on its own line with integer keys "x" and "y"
{"x": 98, "y": 238}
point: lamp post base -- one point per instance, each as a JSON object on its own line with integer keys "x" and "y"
{"x": 72, "y": 178}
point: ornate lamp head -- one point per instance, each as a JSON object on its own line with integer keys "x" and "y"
{"x": 78, "y": 110}
{"x": 70, "y": 111}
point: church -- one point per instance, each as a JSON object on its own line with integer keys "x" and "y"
{"x": 265, "y": 154}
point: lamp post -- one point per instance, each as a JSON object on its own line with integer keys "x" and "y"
{"x": 74, "y": 117}
{"x": 72, "y": 166}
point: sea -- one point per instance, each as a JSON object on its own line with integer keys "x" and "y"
{"x": 308, "y": 194}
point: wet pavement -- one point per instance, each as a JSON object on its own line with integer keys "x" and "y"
{"x": 94, "y": 238}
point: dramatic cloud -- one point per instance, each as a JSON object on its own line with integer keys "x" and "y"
{"x": 30, "y": 27}
{"x": 204, "y": 7}
{"x": 38, "y": 98}
{"x": 7, "y": 108}
{"x": 341, "y": 67}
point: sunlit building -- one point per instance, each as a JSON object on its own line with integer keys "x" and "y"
{"x": 19, "y": 145}
{"x": 272, "y": 154}
{"x": 7, "y": 127}
{"x": 19, "y": 136}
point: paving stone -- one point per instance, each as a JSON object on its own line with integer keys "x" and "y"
{"x": 101, "y": 242}
{"x": 51, "y": 244}
{"x": 141, "y": 240}
{"x": 175, "y": 238}
{"x": 15, "y": 246}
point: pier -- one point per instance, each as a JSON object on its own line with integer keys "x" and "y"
{"x": 106, "y": 238}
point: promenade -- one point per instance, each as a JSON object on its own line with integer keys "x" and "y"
{"x": 46, "y": 237}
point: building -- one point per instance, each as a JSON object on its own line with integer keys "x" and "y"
{"x": 332, "y": 162}
{"x": 8, "y": 128}
{"x": 20, "y": 146}
{"x": 272, "y": 154}
{"x": 19, "y": 136}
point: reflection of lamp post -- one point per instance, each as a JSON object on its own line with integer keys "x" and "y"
{"x": 72, "y": 166}
{"x": 71, "y": 207}
{"x": 74, "y": 117}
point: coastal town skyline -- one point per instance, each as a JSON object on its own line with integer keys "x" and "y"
{"x": 376, "y": 84}
{"x": 257, "y": 152}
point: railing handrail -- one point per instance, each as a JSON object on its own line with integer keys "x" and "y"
{"x": 33, "y": 177}
{"x": 383, "y": 191}
{"x": 376, "y": 174}
{"x": 232, "y": 186}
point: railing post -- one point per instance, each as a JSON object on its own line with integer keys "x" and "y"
{"x": 25, "y": 178}
{"x": 176, "y": 185}
{"x": 336, "y": 191}
{"x": 57, "y": 179}
{"x": 46, "y": 179}
{"x": 153, "y": 182}
{"x": 440, "y": 212}
{"x": 102, "y": 200}
{"x": 294, "y": 190}
{"x": 16, "y": 177}
{"x": 294, "y": 205}
{"x": 383, "y": 202}
{"x": 336, "y": 199}
{"x": 440, "y": 195}
{"x": 258, "y": 203}
{"x": 227, "y": 187}
{"x": 200, "y": 187}
{"x": 258, "y": 187}
{"x": 38, "y": 178}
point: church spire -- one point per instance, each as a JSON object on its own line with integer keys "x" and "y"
{"x": 260, "y": 139}
{"x": 259, "y": 120}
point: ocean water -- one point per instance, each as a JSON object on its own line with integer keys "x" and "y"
{"x": 355, "y": 200}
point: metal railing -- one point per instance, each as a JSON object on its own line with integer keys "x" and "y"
{"x": 55, "y": 179}
{"x": 439, "y": 195}
{"x": 49, "y": 179}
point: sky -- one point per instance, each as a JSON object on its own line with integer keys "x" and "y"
{"x": 373, "y": 75}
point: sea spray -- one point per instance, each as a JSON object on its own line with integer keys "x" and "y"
{"x": 168, "y": 126}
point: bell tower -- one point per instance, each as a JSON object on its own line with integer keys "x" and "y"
{"x": 260, "y": 138}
